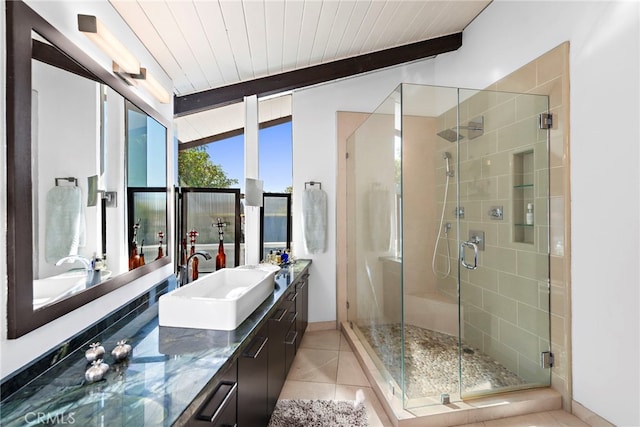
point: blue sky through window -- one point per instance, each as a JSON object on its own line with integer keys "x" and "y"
{"x": 275, "y": 156}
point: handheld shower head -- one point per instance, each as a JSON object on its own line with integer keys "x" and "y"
{"x": 446, "y": 156}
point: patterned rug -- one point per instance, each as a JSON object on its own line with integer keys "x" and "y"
{"x": 319, "y": 413}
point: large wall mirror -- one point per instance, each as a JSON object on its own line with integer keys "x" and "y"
{"x": 86, "y": 177}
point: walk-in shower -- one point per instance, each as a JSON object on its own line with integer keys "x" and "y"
{"x": 446, "y": 157}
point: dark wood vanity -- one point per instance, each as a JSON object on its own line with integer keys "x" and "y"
{"x": 247, "y": 392}
{"x": 174, "y": 376}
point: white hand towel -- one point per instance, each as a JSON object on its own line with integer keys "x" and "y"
{"x": 65, "y": 224}
{"x": 314, "y": 220}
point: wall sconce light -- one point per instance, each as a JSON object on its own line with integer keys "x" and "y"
{"x": 152, "y": 86}
{"x": 125, "y": 64}
{"x": 98, "y": 33}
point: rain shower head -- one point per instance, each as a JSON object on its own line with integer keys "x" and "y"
{"x": 475, "y": 128}
{"x": 450, "y": 135}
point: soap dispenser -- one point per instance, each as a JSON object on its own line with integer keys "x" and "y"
{"x": 529, "y": 215}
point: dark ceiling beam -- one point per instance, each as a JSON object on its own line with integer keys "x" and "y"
{"x": 185, "y": 145}
{"x": 218, "y": 97}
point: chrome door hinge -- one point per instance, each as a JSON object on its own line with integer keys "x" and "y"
{"x": 546, "y": 359}
{"x": 545, "y": 121}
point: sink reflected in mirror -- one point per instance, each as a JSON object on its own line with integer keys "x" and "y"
{"x": 55, "y": 288}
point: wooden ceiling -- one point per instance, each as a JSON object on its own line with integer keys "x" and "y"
{"x": 206, "y": 45}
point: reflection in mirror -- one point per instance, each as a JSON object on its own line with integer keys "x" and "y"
{"x": 146, "y": 191}
{"x": 66, "y": 149}
{"x": 78, "y": 132}
{"x": 76, "y": 240}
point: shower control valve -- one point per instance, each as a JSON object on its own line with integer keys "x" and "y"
{"x": 477, "y": 237}
{"x": 496, "y": 212}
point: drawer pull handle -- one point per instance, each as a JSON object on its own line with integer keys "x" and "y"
{"x": 256, "y": 343}
{"x": 216, "y": 403}
{"x": 292, "y": 316}
{"x": 280, "y": 317}
{"x": 292, "y": 340}
{"x": 293, "y": 298}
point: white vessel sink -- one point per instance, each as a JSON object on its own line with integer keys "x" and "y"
{"x": 220, "y": 300}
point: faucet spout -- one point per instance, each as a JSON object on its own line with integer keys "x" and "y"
{"x": 183, "y": 270}
{"x": 93, "y": 275}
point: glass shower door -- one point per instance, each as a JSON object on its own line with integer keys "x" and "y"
{"x": 503, "y": 226}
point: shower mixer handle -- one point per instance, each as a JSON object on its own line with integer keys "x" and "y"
{"x": 473, "y": 246}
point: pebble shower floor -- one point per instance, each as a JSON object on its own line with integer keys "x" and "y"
{"x": 431, "y": 361}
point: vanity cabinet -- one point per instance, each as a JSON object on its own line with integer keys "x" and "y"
{"x": 277, "y": 364}
{"x": 302, "y": 307}
{"x": 253, "y": 380}
{"x": 249, "y": 398}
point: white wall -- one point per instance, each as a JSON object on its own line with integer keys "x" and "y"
{"x": 63, "y": 15}
{"x": 605, "y": 52}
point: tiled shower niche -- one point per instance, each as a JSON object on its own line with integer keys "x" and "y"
{"x": 523, "y": 197}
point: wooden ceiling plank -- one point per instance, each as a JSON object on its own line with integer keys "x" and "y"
{"x": 310, "y": 18}
{"x": 325, "y": 24}
{"x": 367, "y": 27}
{"x": 274, "y": 15}
{"x": 218, "y": 39}
{"x": 160, "y": 14}
{"x": 313, "y": 75}
{"x": 384, "y": 21}
{"x": 356, "y": 21}
{"x": 191, "y": 26}
{"x": 292, "y": 31}
{"x": 339, "y": 26}
{"x": 233, "y": 15}
{"x": 254, "y": 13}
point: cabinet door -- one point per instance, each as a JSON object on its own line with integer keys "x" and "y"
{"x": 277, "y": 367}
{"x": 302, "y": 307}
{"x": 220, "y": 407}
{"x": 252, "y": 382}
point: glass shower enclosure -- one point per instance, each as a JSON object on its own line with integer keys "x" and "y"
{"x": 448, "y": 247}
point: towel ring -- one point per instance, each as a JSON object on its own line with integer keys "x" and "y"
{"x": 313, "y": 184}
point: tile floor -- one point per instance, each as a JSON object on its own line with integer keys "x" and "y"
{"x": 326, "y": 368}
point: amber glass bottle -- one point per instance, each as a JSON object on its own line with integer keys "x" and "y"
{"x": 141, "y": 257}
{"x": 134, "y": 258}
{"x": 193, "y": 234}
{"x": 221, "y": 258}
{"x": 194, "y": 264}
{"x": 160, "y": 237}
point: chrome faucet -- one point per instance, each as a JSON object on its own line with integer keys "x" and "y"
{"x": 93, "y": 275}
{"x": 183, "y": 270}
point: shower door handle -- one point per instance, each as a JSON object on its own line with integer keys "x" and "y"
{"x": 475, "y": 255}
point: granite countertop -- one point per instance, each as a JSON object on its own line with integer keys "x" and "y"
{"x": 167, "y": 369}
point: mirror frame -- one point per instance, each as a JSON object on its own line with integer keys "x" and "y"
{"x": 22, "y": 318}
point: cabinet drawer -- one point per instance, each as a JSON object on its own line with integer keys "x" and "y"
{"x": 290, "y": 347}
{"x": 220, "y": 407}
